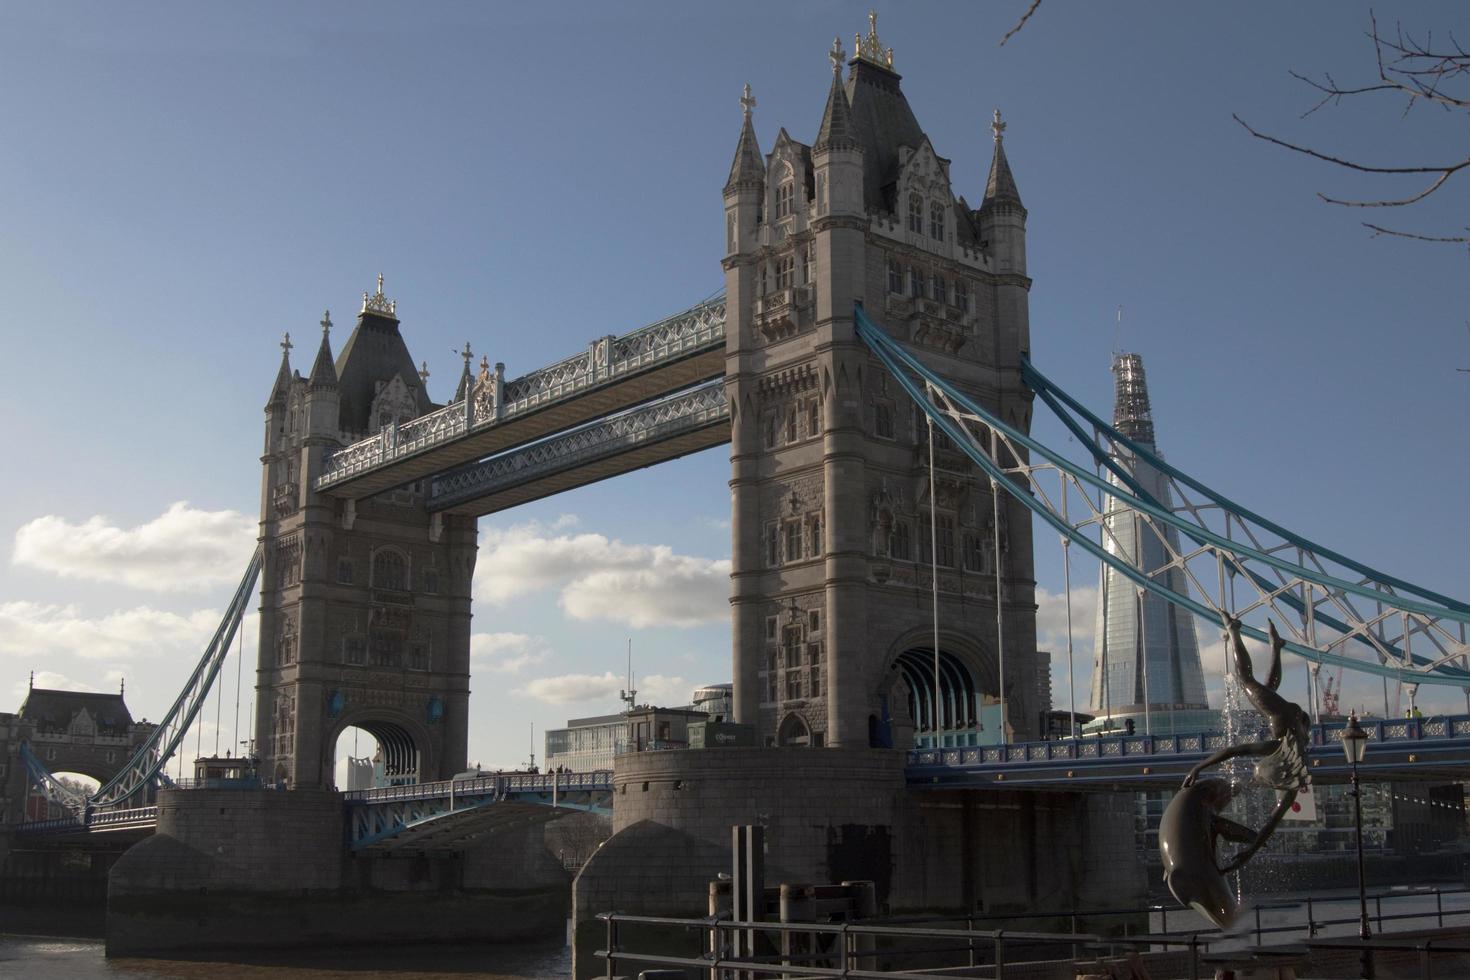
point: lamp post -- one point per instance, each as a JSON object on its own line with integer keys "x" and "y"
{"x": 1354, "y": 744}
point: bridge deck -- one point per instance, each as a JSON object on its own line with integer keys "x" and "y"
{"x": 1408, "y": 749}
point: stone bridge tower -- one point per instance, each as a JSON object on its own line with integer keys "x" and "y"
{"x": 833, "y": 631}
{"x": 365, "y": 605}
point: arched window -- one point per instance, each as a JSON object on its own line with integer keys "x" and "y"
{"x": 962, "y": 295}
{"x": 786, "y": 199}
{"x": 916, "y": 213}
{"x": 936, "y": 221}
{"x": 390, "y": 571}
{"x": 902, "y": 548}
{"x": 895, "y": 277}
{"x": 937, "y": 289}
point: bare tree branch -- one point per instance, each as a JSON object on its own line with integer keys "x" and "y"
{"x": 1020, "y": 23}
{"x": 1454, "y": 239}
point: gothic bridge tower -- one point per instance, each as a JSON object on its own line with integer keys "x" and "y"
{"x": 832, "y": 605}
{"x": 365, "y": 605}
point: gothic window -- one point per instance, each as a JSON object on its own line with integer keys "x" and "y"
{"x": 962, "y": 295}
{"x": 815, "y": 537}
{"x": 793, "y": 684}
{"x": 385, "y": 648}
{"x": 946, "y": 540}
{"x": 974, "y": 554}
{"x": 771, "y": 430}
{"x": 765, "y": 278}
{"x": 771, "y": 694}
{"x": 822, "y": 193}
{"x": 814, "y": 623}
{"x": 354, "y": 650}
{"x": 814, "y": 418}
{"x": 895, "y": 277}
{"x": 731, "y": 241}
{"x": 770, "y": 627}
{"x": 791, "y": 424}
{"x": 390, "y": 571}
{"x": 816, "y": 681}
{"x": 916, "y": 213}
{"x": 808, "y": 264}
{"x": 937, "y": 289}
{"x": 785, "y": 270}
{"x": 883, "y": 420}
{"x": 936, "y": 221}
{"x": 792, "y": 646}
{"x": 418, "y": 656}
{"x": 344, "y": 571}
{"x": 901, "y": 547}
{"x": 773, "y": 556}
{"x": 916, "y": 282}
{"x": 431, "y": 581}
{"x": 786, "y": 199}
{"x": 793, "y": 541}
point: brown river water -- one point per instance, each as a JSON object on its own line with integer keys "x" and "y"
{"x": 55, "y": 958}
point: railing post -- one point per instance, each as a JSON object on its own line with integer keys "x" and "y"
{"x": 970, "y": 939}
{"x": 1439, "y": 906}
{"x": 1000, "y": 954}
{"x": 1378, "y": 905}
{"x": 498, "y": 392}
{"x": 1258, "y": 925}
{"x": 1194, "y": 956}
{"x": 1311, "y": 920}
{"x": 1426, "y": 961}
{"x": 843, "y": 939}
{"x": 612, "y": 942}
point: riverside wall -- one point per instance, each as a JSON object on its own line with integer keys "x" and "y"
{"x": 231, "y": 869}
{"x": 833, "y": 815}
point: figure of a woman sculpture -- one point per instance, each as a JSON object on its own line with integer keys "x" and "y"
{"x": 1192, "y": 823}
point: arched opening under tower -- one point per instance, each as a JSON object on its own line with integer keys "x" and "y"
{"x": 961, "y": 708}
{"x": 38, "y": 807}
{"x": 371, "y": 754}
{"x": 794, "y": 731}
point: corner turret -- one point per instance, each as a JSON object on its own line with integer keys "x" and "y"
{"x": 1002, "y": 216}
{"x": 746, "y": 186}
{"x": 837, "y": 154}
{"x": 323, "y": 399}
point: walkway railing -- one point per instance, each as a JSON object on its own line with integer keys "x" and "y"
{"x": 140, "y": 816}
{"x": 501, "y": 784}
{"x": 493, "y": 401}
{"x": 981, "y": 945}
{"x": 1328, "y": 734}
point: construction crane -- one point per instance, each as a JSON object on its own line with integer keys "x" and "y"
{"x": 1330, "y": 693}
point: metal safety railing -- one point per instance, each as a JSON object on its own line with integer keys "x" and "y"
{"x": 978, "y": 941}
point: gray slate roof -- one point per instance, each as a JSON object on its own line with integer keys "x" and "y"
{"x": 52, "y": 710}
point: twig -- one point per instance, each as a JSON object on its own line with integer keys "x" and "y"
{"x": 1020, "y": 23}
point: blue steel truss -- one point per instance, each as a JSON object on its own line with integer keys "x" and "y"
{"x": 378, "y": 815}
{"x": 145, "y": 770}
{"x": 1333, "y": 610}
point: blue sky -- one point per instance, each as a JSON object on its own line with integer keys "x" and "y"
{"x": 181, "y": 183}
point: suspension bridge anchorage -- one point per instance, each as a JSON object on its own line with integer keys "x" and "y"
{"x": 1332, "y": 609}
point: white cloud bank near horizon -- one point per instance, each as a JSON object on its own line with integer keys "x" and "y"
{"x": 567, "y": 688}
{"x": 601, "y": 578}
{"x": 184, "y": 549}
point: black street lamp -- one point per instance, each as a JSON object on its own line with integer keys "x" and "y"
{"x": 1354, "y": 745}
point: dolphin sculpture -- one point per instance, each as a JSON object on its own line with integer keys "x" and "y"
{"x": 1188, "y": 835}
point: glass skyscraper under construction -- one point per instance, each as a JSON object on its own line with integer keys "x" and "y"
{"x": 1146, "y": 664}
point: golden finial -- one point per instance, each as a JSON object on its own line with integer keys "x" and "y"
{"x": 484, "y": 365}
{"x": 747, "y": 101}
{"x": 424, "y": 373}
{"x": 996, "y": 126}
{"x": 378, "y": 303}
{"x": 870, "y": 48}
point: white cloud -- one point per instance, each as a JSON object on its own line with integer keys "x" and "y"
{"x": 1051, "y": 620}
{"x": 602, "y": 578}
{"x": 656, "y": 689}
{"x": 574, "y": 687}
{"x": 51, "y": 681}
{"x": 506, "y": 653}
{"x": 31, "y": 629}
{"x": 181, "y": 550}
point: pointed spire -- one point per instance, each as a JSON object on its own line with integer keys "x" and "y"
{"x": 461, "y": 392}
{"x": 323, "y": 372}
{"x": 748, "y": 169}
{"x": 1001, "y": 185}
{"x": 837, "y": 130}
{"x": 282, "y": 386}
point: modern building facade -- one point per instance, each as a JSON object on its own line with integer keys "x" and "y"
{"x": 1146, "y": 666}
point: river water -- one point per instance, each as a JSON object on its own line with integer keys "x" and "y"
{"x": 50, "y": 958}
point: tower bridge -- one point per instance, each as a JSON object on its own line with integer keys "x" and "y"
{"x": 868, "y": 362}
